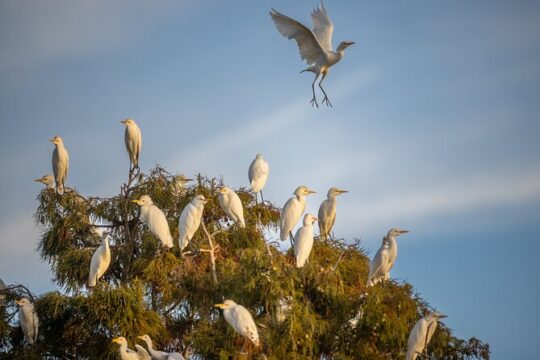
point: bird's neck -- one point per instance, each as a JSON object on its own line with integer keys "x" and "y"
{"x": 391, "y": 241}
{"x": 150, "y": 347}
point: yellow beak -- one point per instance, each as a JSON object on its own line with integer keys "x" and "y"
{"x": 311, "y": 192}
{"x": 116, "y": 340}
{"x": 219, "y": 306}
{"x": 136, "y": 201}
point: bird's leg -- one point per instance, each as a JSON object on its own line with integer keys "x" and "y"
{"x": 314, "y": 99}
{"x": 291, "y": 237}
{"x": 262, "y": 199}
{"x": 325, "y": 100}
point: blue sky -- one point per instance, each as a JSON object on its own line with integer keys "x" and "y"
{"x": 434, "y": 129}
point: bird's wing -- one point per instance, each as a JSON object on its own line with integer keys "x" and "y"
{"x": 417, "y": 339}
{"x": 309, "y": 46}
{"x": 139, "y": 143}
{"x": 322, "y": 27}
{"x": 190, "y": 221}
{"x": 303, "y": 244}
{"x": 237, "y": 209}
{"x": 289, "y": 217}
{"x": 142, "y": 353}
{"x": 326, "y": 217}
{"x": 378, "y": 263}
{"x": 175, "y": 356}
{"x": 157, "y": 223}
{"x": 94, "y": 265}
{"x": 245, "y": 324}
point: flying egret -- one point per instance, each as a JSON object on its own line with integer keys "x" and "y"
{"x": 155, "y": 220}
{"x": 179, "y": 183}
{"x": 303, "y": 241}
{"x": 28, "y": 319}
{"x": 100, "y": 260}
{"x": 47, "y": 180}
{"x": 258, "y": 174}
{"x": 384, "y": 259}
{"x": 230, "y": 203}
{"x": 315, "y": 46}
{"x": 159, "y": 355}
{"x": 421, "y": 334}
{"x": 327, "y": 212}
{"x": 128, "y": 354}
{"x": 133, "y": 140}
{"x": 292, "y": 210}
{"x": 60, "y": 163}
{"x": 240, "y": 319}
{"x": 190, "y": 219}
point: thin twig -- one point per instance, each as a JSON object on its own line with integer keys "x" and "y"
{"x": 338, "y": 260}
{"x": 211, "y": 251}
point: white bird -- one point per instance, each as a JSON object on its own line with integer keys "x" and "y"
{"x": 100, "y": 260}
{"x": 155, "y": 220}
{"x": 47, "y": 180}
{"x": 128, "y": 354}
{"x": 315, "y": 46}
{"x": 327, "y": 212}
{"x": 28, "y": 319}
{"x": 421, "y": 334}
{"x": 240, "y": 319}
{"x": 384, "y": 259}
{"x": 230, "y": 203}
{"x": 60, "y": 163}
{"x": 258, "y": 174}
{"x": 303, "y": 241}
{"x": 179, "y": 183}
{"x": 190, "y": 219}
{"x": 292, "y": 211}
{"x": 133, "y": 140}
{"x": 159, "y": 355}
{"x": 283, "y": 308}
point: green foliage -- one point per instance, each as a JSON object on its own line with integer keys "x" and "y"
{"x": 170, "y": 296}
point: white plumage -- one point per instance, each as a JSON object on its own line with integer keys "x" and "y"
{"x": 60, "y": 163}
{"x": 303, "y": 241}
{"x": 155, "y": 220}
{"x": 327, "y": 212}
{"x": 47, "y": 180}
{"x": 100, "y": 261}
{"x": 421, "y": 334}
{"x": 128, "y": 354}
{"x": 230, "y": 203}
{"x": 133, "y": 140}
{"x": 384, "y": 259}
{"x": 258, "y": 173}
{"x": 190, "y": 219}
{"x": 292, "y": 211}
{"x": 159, "y": 355}
{"x": 240, "y": 319}
{"x": 28, "y": 320}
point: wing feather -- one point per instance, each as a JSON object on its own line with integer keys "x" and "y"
{"x": 322, "y": 27}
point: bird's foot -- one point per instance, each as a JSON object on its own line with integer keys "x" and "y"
{"x": 326, "y": 101}
{"x": 314, "y": 102}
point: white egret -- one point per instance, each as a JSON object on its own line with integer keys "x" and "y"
{"x": 128, "y": 354}
{"x": 421, "y": 334}
{"x": 155, "y": 220}
{"x": 384, "y": 259}
{"x": 292, "y": 210}
{"x": 258, "y": 174}
{"x": 100, "y": 260}
{"x": 179, "y": 184}
{"x": 28, "y": 319}
{"x": 133, "y": 140}
{"x": 315, "y": 46}
{"x": 190, "y": 219}
{"x": 240, "y": 319}
{"x": 60, "y": 163}
{"x": 159, "y": 355}
{"x": 47, "y": 180}
{"x": 327, "y": 212}
{"x": 230, "y": 203}
{"x": 303, "y": 241}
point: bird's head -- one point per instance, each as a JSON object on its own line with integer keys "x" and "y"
{"x": 258, "y": 156}
{"x": 199, "y": 199}
{"x": 23, "y": 302}
{"x": 143, "y": 200}
{"x": 344, "y": 44}
{"x": 226, "y": 305}
{"x": 182, "y": 179}
{"x": 224, "y": 190}
{"x": 309, "y": 219}
{"x": 45, "y": 179}
{"x": 437, "y": 315}
{"x": 128, "y": 122}
{"x": 303, "y": 191}
{"x": 394, "y": 232}
{"x": 57, "y": 140}
{"x": 120, "y": 340}
{"x": 145, "y": 338}
{"x": 333, "y": 192}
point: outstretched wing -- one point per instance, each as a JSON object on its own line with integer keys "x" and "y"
{"x": 309, "y": 46}
{"x": 322, "y": 27}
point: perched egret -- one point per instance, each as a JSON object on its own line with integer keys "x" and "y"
{"x": 421, "y": 334}
{"x": 128, "y": 354}
{"x": 60, "y": 163}
{"x": 28, "y": 319}
{"x": 179, "y": 184}
{"x": 133, "y": 140}
{"x": 303, "y": 241}
{"x": 292, "y": 210}
{"x": 100, "y": 260}
{"x": 315, "y": 46}
{"x": 384, "y": 259}
{"x": 327, "y": 212}
{"x": 155, "y": 220}
{"x": 47, "y": 180}
{"x": 258, "y": 174}
{"x": 240, "y": 319}
{"x": 283, "y": 308}
{"x": 159, "y": 355}
{"x": 231, "y": 205}
{"x": 190, "y": 219}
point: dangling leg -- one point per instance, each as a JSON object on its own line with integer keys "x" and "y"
{"x": 314, "y": 100}
{"x": 325, "y": 96}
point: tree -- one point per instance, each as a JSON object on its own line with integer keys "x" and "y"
{"x": 170, "y": 296}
